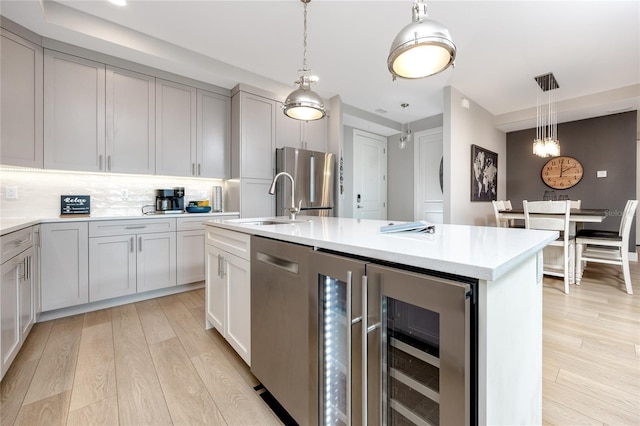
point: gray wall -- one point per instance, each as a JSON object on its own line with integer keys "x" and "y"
{"x": 602, "y": 143}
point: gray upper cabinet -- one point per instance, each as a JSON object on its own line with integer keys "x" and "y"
{"x": 213, "y": 135}
{"x": 310, "y": 135}
{"x": 255, "y": 140}
{"x": 175, "y": 129}
{"x": 130, "y": 122}
{"x": 21, "y": 142}
{"x": 74, "y": 113}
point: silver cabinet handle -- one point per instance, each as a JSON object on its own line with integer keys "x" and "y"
{"x": 199, "y": 169}
{"x": 131, "y": 245}
{"x": 100, "y": 162}
{"x": 109, "y": 162}
{"x": 219, "y": 268}
{"x": 135, "y": 227}
{"x": 193, "y": 169}
{"x": 139, "y": 243}
{"x": 365, "y": 352}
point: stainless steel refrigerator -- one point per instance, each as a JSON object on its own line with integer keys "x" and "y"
{"x": 314, "y": 175}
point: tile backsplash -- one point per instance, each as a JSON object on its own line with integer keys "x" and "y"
{"x": 39, "y": 191}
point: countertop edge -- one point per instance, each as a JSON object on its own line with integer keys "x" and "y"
{"x": 17, "y": 224}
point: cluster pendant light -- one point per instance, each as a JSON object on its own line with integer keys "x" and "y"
{"x": 303, "y": 103}
{"x": 406, "y": 133}
{"x": 546, "y": 143}
{"x": 422, "y": 48}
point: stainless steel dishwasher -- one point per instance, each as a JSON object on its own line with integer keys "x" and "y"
{"x": 280, "y": 323}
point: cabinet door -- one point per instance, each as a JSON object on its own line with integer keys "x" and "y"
{"x": 175, "y": 129}
{"x": 255, "y": 200}
{"x": 238, "y": 319}
{"x": 258, "y": 130}
{"x": 64, "y": 264}
{"x": 314, "y": 135}
{"x": 74, "y": 107}
{"x": 156, "y": 261}
{"x": 288, "y": 130}
{"x": 215, "y": 287}
{"x": 35, "y": 272}
{"x": 21, "y": 102}
{"x": 9, "y": 311}
{"x": 112, "y": 267}
{"x": 213, "y": 135}
{"x": 190, "y": 257}
{"x": 130, "y": 125}
{"x": 26, "y": 294}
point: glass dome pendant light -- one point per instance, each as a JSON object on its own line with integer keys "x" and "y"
{"x": 422, "y": 48}
{"x": 303, "y": 103}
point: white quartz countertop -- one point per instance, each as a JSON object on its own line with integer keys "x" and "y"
{"x": 11, "y": 224}
{"x": 480, "y": 252}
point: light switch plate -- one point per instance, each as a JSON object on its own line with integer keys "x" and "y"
{"x": 602, "y": 173}
{"x": 11, "y": 192}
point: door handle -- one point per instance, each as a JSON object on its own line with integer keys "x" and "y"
{"x": 109, "y": 162}
{"x": 131, "y": 245}
{"x": 139, "y": 243}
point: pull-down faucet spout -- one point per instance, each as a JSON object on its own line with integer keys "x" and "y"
{"x": 293, "y": 209}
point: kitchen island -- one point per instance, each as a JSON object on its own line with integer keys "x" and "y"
{"x": 505, "y": 265}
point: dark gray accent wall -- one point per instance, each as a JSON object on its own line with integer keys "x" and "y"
{"x": 601, "y": 143}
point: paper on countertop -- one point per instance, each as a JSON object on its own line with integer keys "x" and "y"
{"x": 420, "y": 226}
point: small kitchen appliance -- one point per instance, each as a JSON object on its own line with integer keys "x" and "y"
{"x": 170, "y": 200}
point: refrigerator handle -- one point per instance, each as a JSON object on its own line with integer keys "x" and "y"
{"x": 312, "y": 184}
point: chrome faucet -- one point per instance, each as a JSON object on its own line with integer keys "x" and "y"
{"x": 293, "y": 209}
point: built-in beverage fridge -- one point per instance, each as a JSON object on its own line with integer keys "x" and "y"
{"x": 394, "y": 346}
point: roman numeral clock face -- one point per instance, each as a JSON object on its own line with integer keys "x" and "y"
{"x": 562, "y": 172}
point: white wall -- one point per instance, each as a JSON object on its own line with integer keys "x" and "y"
{"x": 462, "y": 128}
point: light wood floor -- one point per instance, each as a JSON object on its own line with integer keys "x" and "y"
{"x": 152, "y": 362}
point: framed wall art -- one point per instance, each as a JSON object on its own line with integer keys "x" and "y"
{"x": 484, "y": 174}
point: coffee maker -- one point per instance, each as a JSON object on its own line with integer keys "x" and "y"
{"x": 170, "y": 200}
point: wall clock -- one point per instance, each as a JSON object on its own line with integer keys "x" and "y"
{"x": 562, "y": 172}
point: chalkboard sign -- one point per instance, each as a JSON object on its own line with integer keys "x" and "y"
{"x": 75, "y": 205}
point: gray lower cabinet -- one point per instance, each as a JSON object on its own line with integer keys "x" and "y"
{"x": 17, "y": 309}
{"x": 21, "y": 63}
{"x": 64, "y": 264}
{"x": 131, "y": 256}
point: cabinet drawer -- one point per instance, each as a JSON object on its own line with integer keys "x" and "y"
{"x": 108, "y": 228}
{"x": 230, "y": 241}
{"x": 15, "y": 243}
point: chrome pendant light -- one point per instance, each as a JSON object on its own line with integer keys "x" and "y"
{"x": 422, "y": 48}
{"x": 546, "y": 143}
{"x": 303, "y": 103}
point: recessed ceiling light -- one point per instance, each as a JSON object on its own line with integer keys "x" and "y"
{"x": 119, "y": 2}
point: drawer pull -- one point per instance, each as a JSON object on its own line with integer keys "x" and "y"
{"x": 135, "y": 227}
{"x": 21, "y": 242}
{"x": 131, "y": 245}
{"x": 139, "y": 243}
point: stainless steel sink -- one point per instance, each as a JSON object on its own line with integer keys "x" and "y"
{"x": 270, "y": 222}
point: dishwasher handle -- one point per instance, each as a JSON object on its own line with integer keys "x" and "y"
{"x": 278, "y": 262}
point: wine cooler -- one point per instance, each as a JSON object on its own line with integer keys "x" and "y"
{"x": 394, "y": 346}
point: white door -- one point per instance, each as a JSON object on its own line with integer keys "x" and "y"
{"x": 369, "y": 176}
{"x": 428, "y": 197}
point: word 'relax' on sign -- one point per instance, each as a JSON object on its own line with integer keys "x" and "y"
{"x": 75, "y": 205}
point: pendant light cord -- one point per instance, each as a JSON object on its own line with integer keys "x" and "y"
{"x": 304, "y": 51}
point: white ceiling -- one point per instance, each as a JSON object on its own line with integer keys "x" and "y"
{"x": 590, "y": 46}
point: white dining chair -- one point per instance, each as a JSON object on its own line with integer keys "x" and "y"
{"x": 554, "y": 216}
{"x": 610, "y": 247}
{"x": 498, "y": 206}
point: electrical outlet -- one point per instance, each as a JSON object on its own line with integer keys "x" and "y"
{"x": 11, "y": 192}
{"x": 124, "y": 194}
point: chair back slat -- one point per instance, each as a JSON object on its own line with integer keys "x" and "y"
{"x": 627, "y": 220}
{"x": 547, "y": 215}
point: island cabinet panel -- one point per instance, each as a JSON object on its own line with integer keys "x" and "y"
{"x": 21, "y": 140}
{"x": 228, "y": 288}
{"x": 112, "y": 267}
{"x": 74, "y": 113}
{"x": 156, "y": 261}
{"x": 64, "y": 264}
{"x": 130, "y": 122}
{"x": 175, "y": 129}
